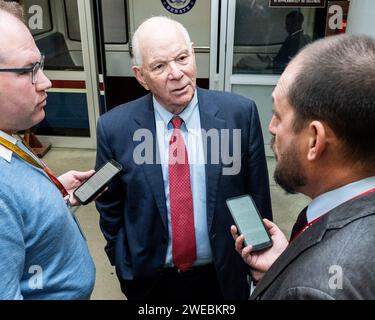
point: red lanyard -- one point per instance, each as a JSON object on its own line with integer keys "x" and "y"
{"x": 308, "y": 225}
{"x": 29, "y": 159}
{"x": 364, "y": 193}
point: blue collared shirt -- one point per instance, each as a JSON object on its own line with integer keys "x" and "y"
{"x": 332, "y": 199}
{"x": 191, "y": 132}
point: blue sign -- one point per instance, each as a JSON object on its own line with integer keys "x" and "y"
{"x": 178, "y": 6}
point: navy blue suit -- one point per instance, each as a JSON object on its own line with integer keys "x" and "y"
{"x": 133, "y": 213}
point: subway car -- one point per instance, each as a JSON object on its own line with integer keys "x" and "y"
{"x": 88, "y": 45}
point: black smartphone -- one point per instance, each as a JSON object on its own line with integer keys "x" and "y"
{"x": 90, "y": 189}
{"x": 249, "y": 222}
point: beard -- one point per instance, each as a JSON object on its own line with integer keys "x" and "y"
{"x": 289, "y": 172}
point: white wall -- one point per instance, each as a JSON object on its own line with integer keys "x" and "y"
{"x": 361, "y": 17}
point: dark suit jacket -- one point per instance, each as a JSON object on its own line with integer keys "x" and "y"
{"x": 333, "y": 259}
{"x": 133, "y": 213}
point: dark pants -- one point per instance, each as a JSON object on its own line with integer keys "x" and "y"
{"x": 197, "y": 284}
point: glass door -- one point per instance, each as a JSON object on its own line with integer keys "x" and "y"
{"x": 66, "y": 37}
{"x": 260, "y": 41}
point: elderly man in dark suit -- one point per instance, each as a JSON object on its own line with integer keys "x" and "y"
{"x": 184, "y": 150}
{"x": 323, "y": 126}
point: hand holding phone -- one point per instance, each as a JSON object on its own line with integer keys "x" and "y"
{"x": 260, "y": 261}
{"x": 92, "y": 187}
{"x": 249, "y": 222}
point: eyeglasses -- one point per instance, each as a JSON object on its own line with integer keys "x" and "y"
{"x": 33, "y": 69}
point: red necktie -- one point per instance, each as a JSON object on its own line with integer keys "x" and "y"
{"x": 181, "y": 201}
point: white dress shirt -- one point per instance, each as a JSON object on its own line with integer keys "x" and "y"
{"x": 332, "y": 199}
{"x": 191, "y": 133}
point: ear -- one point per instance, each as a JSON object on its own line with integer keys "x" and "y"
{"x": 138, "y": 74}
{"x": 317, "y": 140}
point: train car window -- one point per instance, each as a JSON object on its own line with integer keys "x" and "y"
{"x": 115, "y": 22}
{"x": 48, "y": 24}
{"x": 267, "y": 38}
{"x": 32, "y": 9}
{"x": 72, "y": 20}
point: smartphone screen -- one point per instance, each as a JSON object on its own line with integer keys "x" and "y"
{"x": 97, "y": 182}
{"x": 249, "y": 222}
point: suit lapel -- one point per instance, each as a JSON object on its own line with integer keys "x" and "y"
{"x": 337, "y": 218}
{"x": 306, "y": 240}
{"x": 145, "y": 120}
{"x": 209, "y": 121}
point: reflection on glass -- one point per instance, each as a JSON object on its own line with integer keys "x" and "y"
{"x": 114, "y": 22}
{"x": 72, "y": 20}
{"x": 295, "y": 40}
{"x": 266, "y": 39}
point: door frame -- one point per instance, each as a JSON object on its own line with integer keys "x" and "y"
{"x": 89, "y": 76}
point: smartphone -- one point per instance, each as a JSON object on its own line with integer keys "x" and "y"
{"x": 90, "y": 189}
{"x": 249, "y": 222}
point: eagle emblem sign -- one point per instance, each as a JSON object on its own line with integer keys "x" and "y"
{"x": 178, "y": 6}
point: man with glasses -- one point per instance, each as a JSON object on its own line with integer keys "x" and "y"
{"x": 43, "y": 255}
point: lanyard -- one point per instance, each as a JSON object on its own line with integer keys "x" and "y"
{"x": 29, "y": 159}
{"x": 308, "y": 225}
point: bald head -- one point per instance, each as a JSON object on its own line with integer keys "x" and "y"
{"x": 151, "y": 31}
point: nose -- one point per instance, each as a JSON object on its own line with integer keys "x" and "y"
{"x": 174, "y": 71}
{"x": 272, "y": 126}
{"x": 43, "y": 83}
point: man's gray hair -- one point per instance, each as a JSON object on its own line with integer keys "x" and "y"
{"x": 136, "y": 50}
